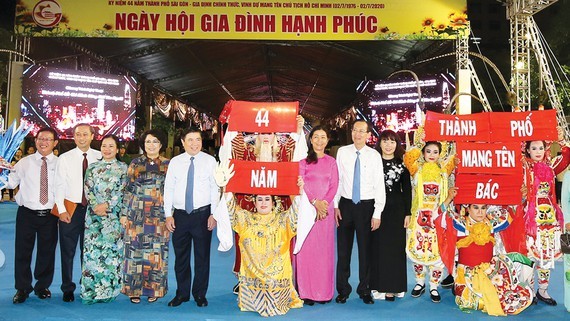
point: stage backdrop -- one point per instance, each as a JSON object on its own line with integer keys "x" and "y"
{"x": 256, "y": 20}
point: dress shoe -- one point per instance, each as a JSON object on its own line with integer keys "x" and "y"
{"x": 548, "y": 301}
{"x": 177, "y": 301}
{"x": 323, "y": 302}
{"x": 308, "y": 302}
{"x": 434, "y": 295}
{"x": 390, "y": 298}
{"x": 367, "y": 299}
{"x": 341, "y": 298}
{"x": 235, "y": 289}
{"x": 201, "y": 302}
{"x": 43, "y": 293}
{"x": 418, "y": 290}
{"x": 448, "y": 282}
{"x": 68, "y": 296}
{"x": 20, "y": 297}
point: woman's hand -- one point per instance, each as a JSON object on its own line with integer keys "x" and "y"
{"x": 322, "y": 209}
{"x": 123, "y": 221}
{"x": 101, "y": 209}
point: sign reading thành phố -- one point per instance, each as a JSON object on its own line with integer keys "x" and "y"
{"x": 243, "y": 20}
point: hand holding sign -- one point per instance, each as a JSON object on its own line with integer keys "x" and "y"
{"x": 224, "y": 172}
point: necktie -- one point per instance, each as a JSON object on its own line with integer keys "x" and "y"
{"x": 83, "y": 198}
{"x": 356, "y": 180}
{"x": 44, "y": 182}
{"x": 190, "y": 187}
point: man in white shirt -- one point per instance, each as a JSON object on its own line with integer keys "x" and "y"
{"x": 358, "y": 206}
{"x": 190, "y": 197}
{"x": 70, "y": 173}
{"x": 35, "y": 174}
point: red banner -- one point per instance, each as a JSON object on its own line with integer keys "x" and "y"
{"x": 523, "y": 126}
{"x": 265, "y": 178}
{"x": 474, "y": 127}
{"x": 488, "y": 189}
{"x": 489, "y": 158}
{"x": 254, "y": 117}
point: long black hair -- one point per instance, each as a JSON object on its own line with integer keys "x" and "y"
{"x": 312, "y": 155}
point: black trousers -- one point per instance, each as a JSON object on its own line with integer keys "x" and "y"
{"x": 192, "y": 228}
{"x": 28, "y": 226}
{"x": 69, "y": 234}
{"x": 355, "y": 218}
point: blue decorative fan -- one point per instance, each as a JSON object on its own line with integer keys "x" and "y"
{"x": 10, "y": 141}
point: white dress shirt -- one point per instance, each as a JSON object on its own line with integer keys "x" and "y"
{"x": 206, "y": 191}
{"x": 69, "y": 175}
{"x": 27, "y": 173}
{"x": 371, "y": 176}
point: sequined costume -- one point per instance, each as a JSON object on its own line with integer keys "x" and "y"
{"x": 430, "y": 182}
{"x": 266, "y": 275}
{"x": 497, "y": 284}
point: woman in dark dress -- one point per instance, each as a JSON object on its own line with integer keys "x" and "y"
{"x": 388, "y": 255}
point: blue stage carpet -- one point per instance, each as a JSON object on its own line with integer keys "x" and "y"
{"x": 223, "y": 304}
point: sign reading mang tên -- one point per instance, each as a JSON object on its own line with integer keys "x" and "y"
{"x": 246, "y": 19}
{"x": 489, "y": 158}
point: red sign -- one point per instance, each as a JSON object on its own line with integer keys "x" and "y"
{"x": 265, "y": 178}
{"x": 474, "y": 127}
{"x": 489, "y": 158}
{"x": 254, "y": 117}
{"x": 524, "y": 126}
{"x": 488, "y": 189}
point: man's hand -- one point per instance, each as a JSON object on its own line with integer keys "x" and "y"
{"x": 170, "y": 226}
{"x": 375, "y": 223}
{"x": 211, "y": 222}
{"x": 123, "y": 221}
{"x": 337, "y": 216}
{"x": 223, "y": 173}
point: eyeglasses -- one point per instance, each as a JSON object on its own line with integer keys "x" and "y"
{"x": 45, "y": 139}
{"x": 362, "y": 131}
{"x": 152, "y": 142}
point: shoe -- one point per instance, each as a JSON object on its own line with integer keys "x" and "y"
{"x": 434, "y": 295}
{"x": 448, "y": 282}
{"x": 68, "y": 296}
{"x": 323, "y": 302}
{"x": 308, "y": 302}
{"x": 152, "y": 299}
{"x": 390, "y": 297}
{"x": 177, "y": 301}
{"x": 20, "y": 297}
{"x": 201, "y": 302}
{"x": 418, "y": 290}
{"x": 135, "y": 299}
{"x": 367, "y": 299}
{"x": 43, "y": 294}
{"x": 548, "y": 301}
{"x": 341, "y": 298}
{"x": 235, "y": 289}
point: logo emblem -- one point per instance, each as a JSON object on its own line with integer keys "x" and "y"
{"x": 47, "y": 13}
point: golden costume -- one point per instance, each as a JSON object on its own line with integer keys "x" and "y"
{"x": 266, "y": 275}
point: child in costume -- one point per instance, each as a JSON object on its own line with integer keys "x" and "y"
{"x": 429, "y": 168}
{"x": 496, "y": 283}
